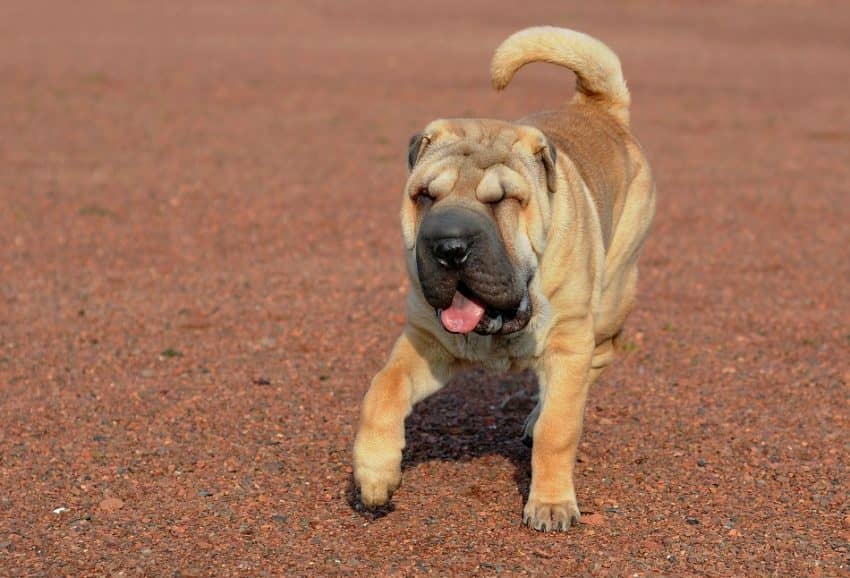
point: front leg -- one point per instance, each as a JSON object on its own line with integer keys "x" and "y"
{"x": 564, "y": 375}
{"x": 418, "y": 366}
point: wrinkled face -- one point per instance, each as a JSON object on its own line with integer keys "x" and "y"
{"x": 475, "y": 220}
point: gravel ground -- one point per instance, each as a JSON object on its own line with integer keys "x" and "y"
{"x": 200, "y": 271}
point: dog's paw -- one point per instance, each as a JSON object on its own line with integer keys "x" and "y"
{"x": 376, "y": 486}
{"x": 550, "y": 516}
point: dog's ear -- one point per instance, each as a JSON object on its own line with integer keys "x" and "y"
{"x": 549, "y": 156}
{"x": 418, "y": 142}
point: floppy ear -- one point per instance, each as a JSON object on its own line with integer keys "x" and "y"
{"x": 418, "y": 142}
{"x": 549, "y": 156}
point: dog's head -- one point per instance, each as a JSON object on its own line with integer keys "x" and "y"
{"x": 475, "y": 218}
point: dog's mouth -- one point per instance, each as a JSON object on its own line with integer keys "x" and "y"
{"x": 468, "y": 313}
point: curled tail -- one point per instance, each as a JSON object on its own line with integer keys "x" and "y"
{"x": 599, "y": 78}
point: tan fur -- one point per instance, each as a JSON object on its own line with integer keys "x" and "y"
{"x": 580, "y": 229}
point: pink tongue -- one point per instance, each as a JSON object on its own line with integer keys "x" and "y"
{"x": 463, "y": 314}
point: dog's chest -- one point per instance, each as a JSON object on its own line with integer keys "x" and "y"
{"x": 495, "y": 353}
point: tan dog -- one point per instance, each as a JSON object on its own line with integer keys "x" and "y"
{"x": 522, "y": 241}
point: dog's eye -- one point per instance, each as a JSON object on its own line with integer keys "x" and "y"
{"x": 423, "y": 197}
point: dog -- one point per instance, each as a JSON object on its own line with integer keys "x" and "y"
{"x": 522, "y": 242}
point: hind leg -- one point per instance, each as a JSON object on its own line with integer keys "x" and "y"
{"x": 619, "y": 287}
{"x": 528, "y": 428}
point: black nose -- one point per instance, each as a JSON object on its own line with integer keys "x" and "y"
{"x": 451, "y": 252}
{"x": 449, "y": 236}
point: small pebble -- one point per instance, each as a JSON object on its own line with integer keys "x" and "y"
{"x": 595, "y": 519}
{"x": 110, "y": 505}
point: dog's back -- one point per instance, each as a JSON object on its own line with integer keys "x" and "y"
{"x": 599, "y": 147}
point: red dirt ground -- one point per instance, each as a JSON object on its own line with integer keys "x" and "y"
{"x": 201, "y": 271}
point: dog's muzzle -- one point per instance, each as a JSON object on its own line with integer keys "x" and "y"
{"x": 467, "y": 276}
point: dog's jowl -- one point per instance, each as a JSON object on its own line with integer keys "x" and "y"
{"x": 522, "y": 241}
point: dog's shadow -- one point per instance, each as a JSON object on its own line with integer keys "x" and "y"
{"x": 475, "y": 415}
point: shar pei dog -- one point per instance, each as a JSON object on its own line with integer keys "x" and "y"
{"x": 522, "y": 242}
